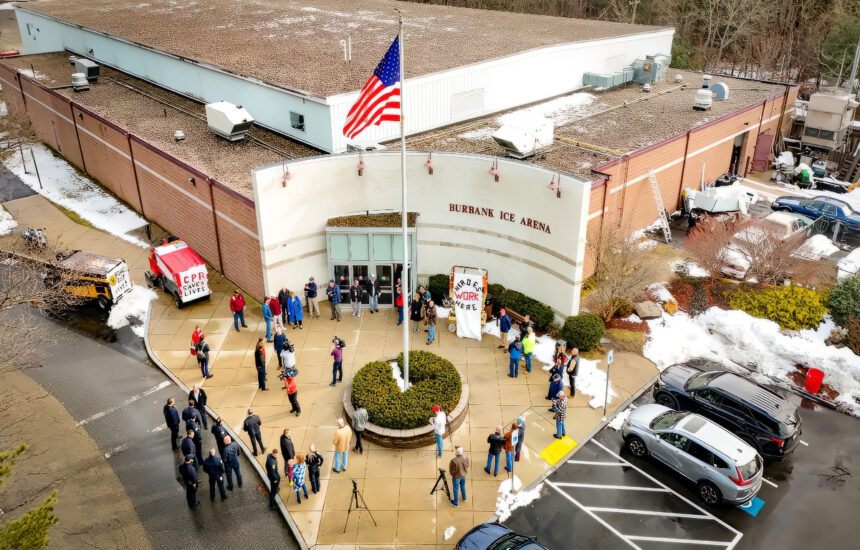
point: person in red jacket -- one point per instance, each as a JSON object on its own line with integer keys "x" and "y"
{"x": 237, "y": 306}
{"x": 195, "y": 337}
{"x": 275, "y": 306}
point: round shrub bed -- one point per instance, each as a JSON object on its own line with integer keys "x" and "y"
{"x": 435, "y": 381}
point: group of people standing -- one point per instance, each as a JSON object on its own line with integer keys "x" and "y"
{"x": 423, "y": 308}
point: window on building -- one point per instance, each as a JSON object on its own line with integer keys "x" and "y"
{"x": 339, "y": 247}
{"x": 297, "y": 121}
{"x": 826, "y": 134}
{"x": 811, "y": 132}
{"x": 382, "y": 248}
{"x": 358, "y": 248}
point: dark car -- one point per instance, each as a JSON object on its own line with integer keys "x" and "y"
{"x": 829, "y": 208}
{"x": 495, "y": 536}
{"x": 761, "y": 416}
{"x": 832, "y": 185}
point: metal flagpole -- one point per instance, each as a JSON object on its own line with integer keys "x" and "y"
{"x": 404, "y": 279}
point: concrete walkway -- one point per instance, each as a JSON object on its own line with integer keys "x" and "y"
{"x": 395, "y": 483}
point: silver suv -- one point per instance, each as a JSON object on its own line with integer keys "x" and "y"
{"x": 723, "y": 467}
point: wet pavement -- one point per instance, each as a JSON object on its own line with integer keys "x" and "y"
{"x": 102, "y": 377}
{"x": 604, "y": 498}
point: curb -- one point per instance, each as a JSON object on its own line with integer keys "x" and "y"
{"x": 586, "y": 439}
{"x": 260, "y": 472}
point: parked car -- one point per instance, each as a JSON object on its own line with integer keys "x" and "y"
{"x": 723, "y": 467}
{"x": 783, "y": 225}
{"x": 495, "y": 536}
{"x": 831, "y": 209}
{"x": 763, "y": 418}
{"x": 833, "y": 185}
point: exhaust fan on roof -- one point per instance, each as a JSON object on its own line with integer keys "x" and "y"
{"x": 525, "y": 138}
{"x": 80, "y": 82}
{"x": 89, "y": 68}
{"x": 229, "y": 121}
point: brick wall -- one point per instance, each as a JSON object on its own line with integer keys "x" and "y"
{"x": 237, "y": 232}
{"x": 11, "y": 90}
{"x": 51, "y": 115}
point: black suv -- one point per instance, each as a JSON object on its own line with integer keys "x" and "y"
{"x": 758, "y": 415}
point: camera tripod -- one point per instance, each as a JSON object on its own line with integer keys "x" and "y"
{"x": 444, "y": 486}
{"x": 354, "y": 503}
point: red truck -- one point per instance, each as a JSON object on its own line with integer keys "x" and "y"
{"x": 179, "y": 271}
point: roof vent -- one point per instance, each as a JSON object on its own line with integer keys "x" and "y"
{"x": 228, "y": 121}
{"x": 721, "y": 91}
{"x": 706, "y": 80}
{"x": 646, "y": 87}
{"x": 80, "y": 82}
{"x": 178, "y": 135}
{"x": 703, "y": 100}
{"x": 526, "y": 137}
{"x": 678, "y": 78}
{"x": 89, "y": 68}
{"x": 72, "y": 59}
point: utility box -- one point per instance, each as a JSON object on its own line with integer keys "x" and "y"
{"x": 228, "y": 121}
{"x": 828, "y": 118}
{"x": 526, "y": 137}
{"x": 88, "y": 68}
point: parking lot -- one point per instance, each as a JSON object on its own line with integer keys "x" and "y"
{"x": 603, "y": 498}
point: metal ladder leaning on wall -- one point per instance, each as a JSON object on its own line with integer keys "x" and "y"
{"x": 664, "y": 216}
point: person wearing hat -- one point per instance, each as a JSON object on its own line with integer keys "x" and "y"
{"x": 292, "y": 390}
{"x": 516, "y": 351}
{"x": 274, "y": 477}
{"x": 333, "y": 293}
{"x": 311, "y": 298}
{"x": 559, "y": 403}
{"x": 189, "y": 480}
{"x": 521, "y": 426}
{"x": 504, "y": 327}
{"x": 438, "y": 422}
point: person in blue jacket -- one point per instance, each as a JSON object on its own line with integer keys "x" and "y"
{"x": 516, "y": 351}
{"x": 333, "y": 293}
{"x": 555, "y": 386}
{"x": 280, "y": 340}
{"x": 267, "y": 316}
{"x": 294, "y": 309}
{"x": 504, "y": 327}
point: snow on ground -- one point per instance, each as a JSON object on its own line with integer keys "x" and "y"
{"x": 449, "y": 532}
{"x": 544, "y": 349}
{"x": 660, "y": 292}
{"x": 64, "y": 186}
{"x": 131, "y": 309}
{"x": 7, "y": 223}
{"x": 732, "y": 338}
{"x": 508, "y": 501}
{"x": 815, "y": 248}
{"x": 692, "y": 268}
{"x": 619, "y": 419}
{"x": 561, "y": 110}
{"x": 398, "y": 375}
{"x": 850, "y": 264}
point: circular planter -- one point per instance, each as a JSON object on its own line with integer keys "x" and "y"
{"x": 408, "y": 439}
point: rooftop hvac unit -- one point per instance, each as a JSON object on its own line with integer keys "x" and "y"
{"x": 721, "y": 91}
{"x": 651, "y": 69}
{"x": 525, "y": 138}
{"x": 229, "y": 121}
{"x": 89, "y": 68}
{"x": 703, "y": 100}
{"x": 80, "y": 82}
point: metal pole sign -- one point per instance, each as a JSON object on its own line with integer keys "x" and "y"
{"x": 609, "y": 358}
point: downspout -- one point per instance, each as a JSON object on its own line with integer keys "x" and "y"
{"x": 684, "y": 168}
{"x": 134, "y": 170}
{"x": 215, "y": 220}
{"x": 78, "y": 137}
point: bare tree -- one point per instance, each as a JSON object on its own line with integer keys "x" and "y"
{"x": 707, "y": 242}
{"x": 767, "y": 251}
{"x": 621, "y": 270}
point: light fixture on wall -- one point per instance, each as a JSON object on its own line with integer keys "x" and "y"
{"x": 429, "y": 164}
{"x": 287, "y": 175}
{"x": 192, "y": 181}
{"x": 361, "y": 164}
{"x": 555, "y": 185}
{"x": 494, "y": 170}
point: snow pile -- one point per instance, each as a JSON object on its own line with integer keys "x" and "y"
{"x": 509, "y": 501}
{"x": 449, "y": 532}
{"x": 815, "y": 248}
{"x": 733, "y": 338}
{"x": 660, "y": 292}
{"x": 562, "y": 110}
{"x": 132, "y": 309}
{"x": 643, "y": 233}
{"x": 592, "y": 381}
{"x": 398, "y": 375}
{"x": 619, "y": 419}
{"x": 849, "y": 265}
{"x": 690, "y": 268}
{"x": 491, "y": 328}
{"x": 544, "y": 349}
{"x": 7, "y": 223}
{"x": 64, "y": 186}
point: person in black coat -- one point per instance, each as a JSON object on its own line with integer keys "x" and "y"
{"x": 283, "y": 298}
{"x": 288, "y": 451}
{"x": 274, "y": 477}
{"x": 189, "y": 448}
{"x": 199, "y": 397}
{"x": 189, "y": 480}
{"x": 214, "y": 466}
{"x": 193, "y": 421}
{"x": 171, "y": 418}
{"x": 313, "y": 462}
{"x": 573, "y": 370}
{"x": 252, "y": 427}
{"x": 219, "y": 432}
{"x": 260, "y": 363}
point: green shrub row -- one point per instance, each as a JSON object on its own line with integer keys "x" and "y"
{"x": 583, "y": 331}
{"x": 791, "y": 307}
{"x": 435, "y": 381}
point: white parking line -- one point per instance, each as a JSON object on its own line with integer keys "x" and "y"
{"x": 128, "y": 401}
{"x": 769, "y": 482}
{"x": 613, "y": 487}
{"x": 594, "y": 516}
{"x": 682, "y": 541}
{"x": 595, "y": 463}
{"x": 647, "y": 512}
{"x": 802, "y": 442}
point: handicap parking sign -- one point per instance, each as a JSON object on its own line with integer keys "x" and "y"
{"x": 752, "y": 507}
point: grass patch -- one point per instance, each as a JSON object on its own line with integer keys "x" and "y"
{"x": 595, "y": 354}
{"x": 74, "y": 216}
{"x": 626, "y": 340}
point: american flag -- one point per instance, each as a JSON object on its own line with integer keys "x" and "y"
{"x": 380, "y": 96}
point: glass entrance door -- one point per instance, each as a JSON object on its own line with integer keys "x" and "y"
{"x": 360, "y": 273}
{"x": 341, "y": 278}
{"x": 386, "y": 290}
